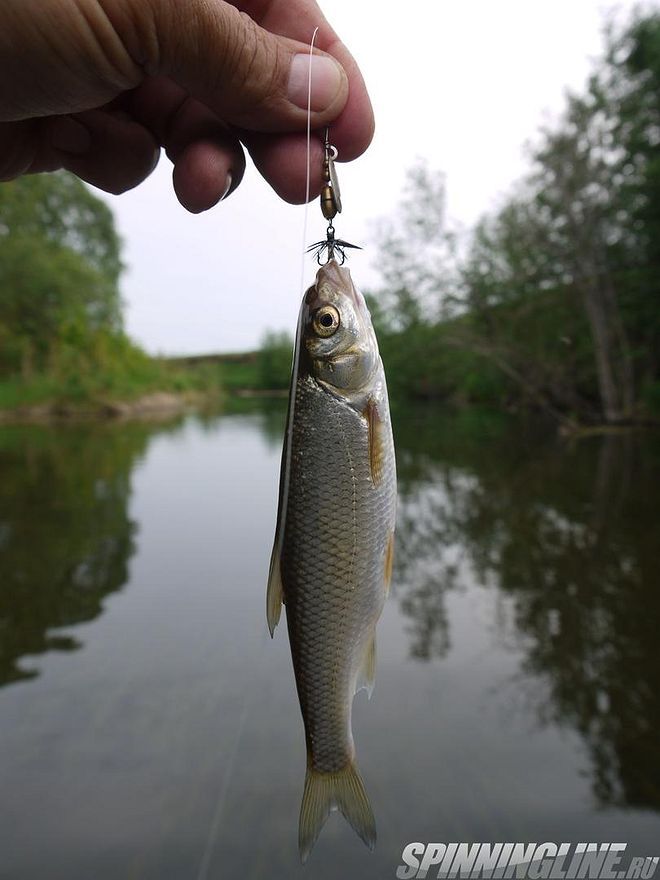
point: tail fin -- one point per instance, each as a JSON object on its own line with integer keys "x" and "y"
{"x": 327, "y": 791}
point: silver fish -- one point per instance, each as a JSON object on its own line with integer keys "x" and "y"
{"x": 332, "y": 558}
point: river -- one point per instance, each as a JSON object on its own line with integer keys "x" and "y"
{"x": 149, "y": 727}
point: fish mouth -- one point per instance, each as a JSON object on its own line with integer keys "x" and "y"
{"x": 338, "y": 279}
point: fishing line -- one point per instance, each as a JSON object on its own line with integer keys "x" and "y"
{"x": 219, "y": 807}
{"x": 286, "y": 453}
{"x": 308, "y": 159}
{"x": 214, "y": 826}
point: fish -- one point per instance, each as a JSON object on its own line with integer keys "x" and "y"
{"x": 331, "y": 563}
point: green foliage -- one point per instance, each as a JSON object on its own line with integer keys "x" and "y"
{"x": 121, "y": 372}
{"x": 651, "y": 397}
{"x": 417, "y": 255}
{"x": 552, "y": 300}
{"x": 237, "y": 374}
{"x": 61, "y": 336}
{"x": 273, "y": 362}
{"x": 59, "y": 270}
{"x": 60, "y": 209}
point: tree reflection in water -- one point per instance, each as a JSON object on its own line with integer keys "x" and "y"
{"x": 571, "y": 535}
{"x": 65, "y": 532}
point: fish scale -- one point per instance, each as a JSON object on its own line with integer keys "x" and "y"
{"x": 329, "y": 619}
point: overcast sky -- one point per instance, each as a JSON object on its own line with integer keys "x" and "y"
{"x": 462, "y": 83}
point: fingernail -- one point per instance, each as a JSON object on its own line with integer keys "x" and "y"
{"x": 69, "y": 135}
{"x": 327, "y": 81}
{"x": 228, "y": 187}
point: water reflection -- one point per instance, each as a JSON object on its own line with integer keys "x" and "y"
{"x": 65, "y": 532}
{"x": 517, "y": 651}
{"x": 571, "y": 537}
{"x": 267, "y": 414}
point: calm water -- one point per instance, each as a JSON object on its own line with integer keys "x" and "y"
{"x": 149, "y": 727}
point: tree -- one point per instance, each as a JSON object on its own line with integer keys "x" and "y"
{"x": 416, "y": 253}
{"x": 633, "y": 84}
{"x": 274, "y": 361}
{"x": 578, "y": 198}
{"x": 59, "y": 270}
{"x": 558, "y": 289}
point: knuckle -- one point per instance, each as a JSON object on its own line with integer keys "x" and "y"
{"x": 251, "y": 60}
{"x": 102, "y": 29}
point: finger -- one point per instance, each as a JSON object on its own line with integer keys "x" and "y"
{"x": 248, "y": 76}
{"x": 353, "y": 129}
{"x": 19, "y": 146}
{"x": 106, "y": 148}
{"x": 208, "y": 158}
{"x": 60, "y": 57}
{"x": 282, "y": 161}
{"x": 203, "y": 176}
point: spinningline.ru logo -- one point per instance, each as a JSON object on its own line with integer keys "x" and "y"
{"x": 523, "y": 861}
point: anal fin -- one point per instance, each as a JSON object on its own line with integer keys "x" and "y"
{"x": 367, "y": 673}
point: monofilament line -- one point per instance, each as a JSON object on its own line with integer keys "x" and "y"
{"x": 308, "y": 160}
{"x": 214, "y": 827}
{"x": 286, "y": 466}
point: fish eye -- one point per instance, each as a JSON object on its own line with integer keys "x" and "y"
{"x": 326, "y": 321}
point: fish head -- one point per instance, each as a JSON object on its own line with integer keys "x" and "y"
{"x": 337, "y": 335}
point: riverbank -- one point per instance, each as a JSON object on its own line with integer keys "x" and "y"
{"x": 130, "y": 388}
{"x": 158, "y": 404}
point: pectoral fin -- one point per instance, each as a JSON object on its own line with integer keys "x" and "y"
{"x": 376, "y": 440}
{"x": 274, "y": 593}
{"x": 367, "y": 674}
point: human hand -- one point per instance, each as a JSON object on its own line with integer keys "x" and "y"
{"x": 99, "y": 86}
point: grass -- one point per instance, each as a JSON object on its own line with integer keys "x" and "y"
{"x": 16, "y": 392}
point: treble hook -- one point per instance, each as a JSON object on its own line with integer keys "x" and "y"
{"x": 333, "y": 248}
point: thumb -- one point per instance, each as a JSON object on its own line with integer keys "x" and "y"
{"x": 250, "y": 77}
